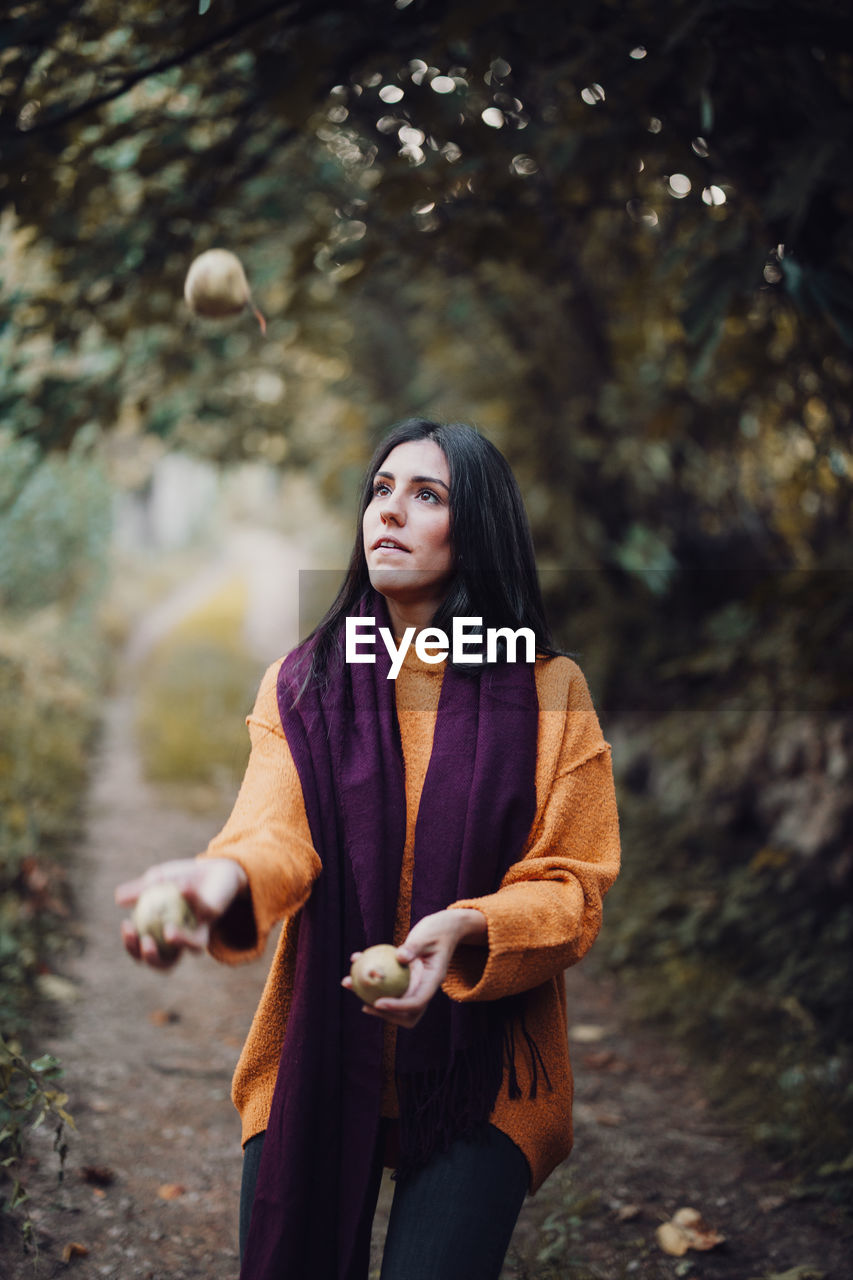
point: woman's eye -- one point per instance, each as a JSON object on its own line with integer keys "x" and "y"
{"x": 428, "y": 493}
{"x": 379, "y": 488}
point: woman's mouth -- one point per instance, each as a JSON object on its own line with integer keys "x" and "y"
{"x": 389, "y": 544}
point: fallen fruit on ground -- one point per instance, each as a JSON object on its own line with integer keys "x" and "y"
{"x": 74, "y": 1249}
{"x": 158, "y": 906}
{"x": 171, "y": 1191}
{"x": 686, "y": 1230}
{"x": 377, "y": 972}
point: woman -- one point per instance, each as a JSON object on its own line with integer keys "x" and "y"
{"x": 464, "y": 809}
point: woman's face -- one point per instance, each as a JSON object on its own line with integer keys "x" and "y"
{"x": 406, "y": 530}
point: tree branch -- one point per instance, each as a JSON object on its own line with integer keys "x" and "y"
{"x": 164, "y": 64}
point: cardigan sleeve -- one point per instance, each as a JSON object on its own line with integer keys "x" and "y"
{"x": 267, "y": 834}
{"x": 547, "y": 911}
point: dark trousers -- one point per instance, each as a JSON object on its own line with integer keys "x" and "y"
{"x": 451, "y": 1220}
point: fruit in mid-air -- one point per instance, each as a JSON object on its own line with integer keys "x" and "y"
{"x": 377, "y": 972}
{"x": 160, "y": 905}
{"x": 216, "y": 286}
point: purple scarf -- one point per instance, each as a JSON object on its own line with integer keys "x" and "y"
{"x": 476, "y": 809}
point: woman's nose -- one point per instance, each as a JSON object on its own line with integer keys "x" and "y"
{"x": 391, "y": 511}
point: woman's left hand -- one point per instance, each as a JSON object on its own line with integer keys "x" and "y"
{"x": 427, "y": 951}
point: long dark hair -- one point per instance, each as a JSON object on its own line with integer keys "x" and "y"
{"x": 495, "y": 574}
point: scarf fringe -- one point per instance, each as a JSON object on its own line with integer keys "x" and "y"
{"x": 441, "y": 1104}
{"x": 514, "y": 1087}
{"x": 537, "y": 1062}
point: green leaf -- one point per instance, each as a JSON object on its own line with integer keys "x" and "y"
{"x": 46, "y": 1064}
{"x": 18, "y": 1196}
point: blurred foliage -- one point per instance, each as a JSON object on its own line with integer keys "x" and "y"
{"x": 28, "y": 1096}
{"x": 193, "y": 697}
{"x": 54, "y": 532}
{"x": 54, "y": 529}
{"x": 619, "y": 236}
{"x": 732, "y": 916}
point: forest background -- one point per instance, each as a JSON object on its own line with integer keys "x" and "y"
{"x": 617, "y": 237}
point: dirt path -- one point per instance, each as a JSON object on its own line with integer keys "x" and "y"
{"x": 152, "y": 1179}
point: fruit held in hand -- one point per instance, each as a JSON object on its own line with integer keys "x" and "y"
{"x": 377, "y": 972}
{"x": 160, "y": 905}
{"x": 216, "y": 286}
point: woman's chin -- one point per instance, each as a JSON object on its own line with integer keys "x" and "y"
{"x": 409, "y": 586}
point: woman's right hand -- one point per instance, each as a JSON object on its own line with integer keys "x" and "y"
{"x": 209, "y": 886}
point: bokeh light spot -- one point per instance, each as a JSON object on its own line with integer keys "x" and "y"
{"x": 679, "y": 185}
{"x": 524, "y": 165}
{"x": 411, "y": 137}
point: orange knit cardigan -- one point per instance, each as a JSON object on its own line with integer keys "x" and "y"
{"x": 543, "y": 917}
